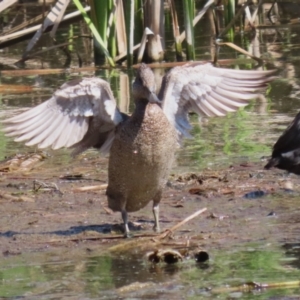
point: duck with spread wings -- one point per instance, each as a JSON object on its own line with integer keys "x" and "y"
{"x": 83, "y": 113}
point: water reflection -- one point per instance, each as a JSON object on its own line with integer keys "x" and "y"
{"x": 88, "y": 276}
{"x": 293, "y": 252}
{"x": 98, "y": 277}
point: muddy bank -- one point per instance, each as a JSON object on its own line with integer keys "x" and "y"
{"x": 42, "y": 209}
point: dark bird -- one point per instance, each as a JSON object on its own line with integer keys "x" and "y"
{"x": 286, "y": 151}
{"x": 83, "y": 114}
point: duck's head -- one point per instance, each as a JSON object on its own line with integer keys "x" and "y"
{"x": 144, "y": 85}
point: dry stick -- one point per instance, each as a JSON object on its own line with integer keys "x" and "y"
{"x": 9, "y": 197}
{"x": 46, "y": 71}
{"x": 57, "y": 16}
{"x": 132, "y": 242}
{"x": 256, "y": 286}
{"x": 5, "y": 4}
{"x": 221, "y": 62}
{"x": 176, "y": 32}
{"x": 249, "y": 17}
{"x": 161, "y": 236}
{"x": 171, "y": 230}
{"x": 17, "y": 34}
{"x": 120, "y": 27}
{"x": 15, "y": 88}
{"x": 122, "y": 55}
{"x": 256, "y": 11}
{"x": 91, "y": 188}
{"x": 241, "y": 50}
{"x": 278, "y": 26}
{"x": 33, "y": 55}
{"x": 142, "y": 47}
{"x": 24, "y": 24}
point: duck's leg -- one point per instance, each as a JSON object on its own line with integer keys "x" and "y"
{"x": 125, "y": 221}
{"x": 155, "y": 210}
{"x": 117, "y": 202}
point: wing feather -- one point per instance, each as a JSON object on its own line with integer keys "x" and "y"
{"x": 208, "y": 91}
{"x": 32, "y": 131}
{"x": 76, "y": 135}
{"x": 213, "y": 109}
{"x": 234, "y": 104}
{"x": 78, "y": 108}
{"x": 237, "y": 96}
{"x": 39, "y": 138}
{"x": 225, "y": 108}
{"x": 29, "y": 114}
{"x": 51, "y": 133}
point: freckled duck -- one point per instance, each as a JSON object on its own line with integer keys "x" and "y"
{"x": 286, "y": 151}
{"x": 83, "y": 114}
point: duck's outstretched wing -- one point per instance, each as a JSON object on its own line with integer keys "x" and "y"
{"x": 81, "y": 114}
{"x": 208, "y": 91}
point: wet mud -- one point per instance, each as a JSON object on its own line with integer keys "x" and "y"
{"x": 43, "y": 207}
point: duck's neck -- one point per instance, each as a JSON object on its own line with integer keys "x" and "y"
{"x": 140, "y": 105}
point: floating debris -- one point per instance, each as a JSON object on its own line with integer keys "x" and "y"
{"x": 217, "y": 216}
{"x": 255, "y": 194}
{"x": 169, "y": 256}
{"x": 72, "y": 177}
{"x": 201, "y": 256}
{"x": 18, "y": 186}
{"x": 135, "y": 286}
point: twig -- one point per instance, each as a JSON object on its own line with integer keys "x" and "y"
{"x": 171, "y": 230}
{"x": 17, "y": 34}
{"x": 251, "y": 286}
{"x": 42, "y": 186}
{"x": 241, "y": 50}
{"x": 9, "y": 197}
{"x": 91, "y": 188}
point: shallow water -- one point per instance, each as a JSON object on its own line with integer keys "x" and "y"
{"x": 89, "y": 276}
{"x": 257, "y": 241}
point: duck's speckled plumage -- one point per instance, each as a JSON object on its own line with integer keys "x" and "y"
{"x": 141, "y": 158}
{"x": 83, "y": 113}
